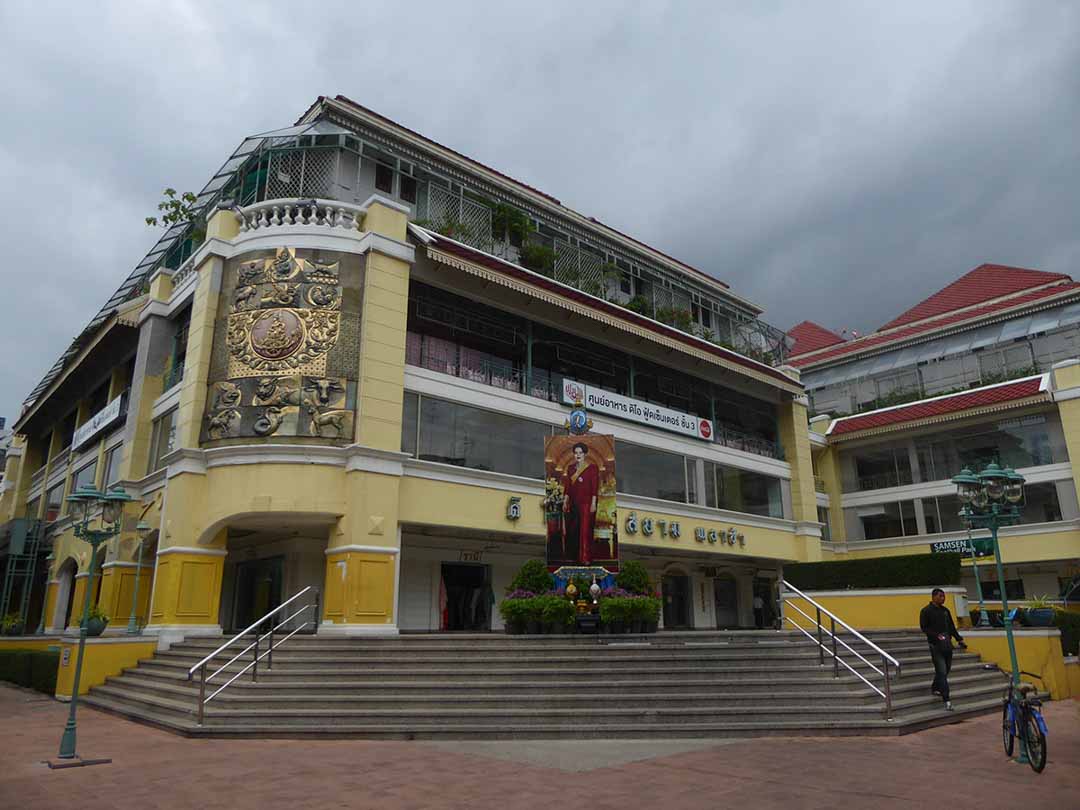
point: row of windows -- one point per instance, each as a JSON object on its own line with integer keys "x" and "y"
{"x": 940, "y": 514}
{"x": 452, "y": 335}
{"x": 452, "y": 433}
{"x": 86, "y": 475}
{"x": 1026, "y": 441}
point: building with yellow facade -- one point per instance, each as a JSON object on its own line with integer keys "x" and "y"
{"x": 341, "y": 373}
{"x": 982, "y": 371}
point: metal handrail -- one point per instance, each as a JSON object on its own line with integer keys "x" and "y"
{"x": 253, "y": 665}
{"x": 837, "y": 660}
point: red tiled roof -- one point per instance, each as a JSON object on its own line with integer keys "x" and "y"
{"x": 494, "y": 263}
{"x": 954, "y": 403}
{"x": 880, "y": 339}
{"x": 984, "y": 283}
{"x": 810, "y": 336}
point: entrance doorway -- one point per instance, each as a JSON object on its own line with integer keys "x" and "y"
{"x": 468, "y": 597}
{"x": 676, "y": 589}
{"x": 765, "y": 590}
{"x": 258, "y": 590}
{"x": 726, "y": 596}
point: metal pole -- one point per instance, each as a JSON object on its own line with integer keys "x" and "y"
{"x": 315, "y": 613}
{"x": 67, "y": 741}
{"x": 255, "y": 665}
{"x": 270, "y": 649}
{"x": 202, "y": 691}
{"x": 835, "y": 658}
{"x": 984, "y": 619}
{"x": 888, "y": 688}
{"x": 1023, "y": 758}
{"x": 133, "y": 624}
{"x": 820, "y": 643}
{"x": 1004, "y": 598}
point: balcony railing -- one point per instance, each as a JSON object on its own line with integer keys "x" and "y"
{"x": 885, "y": 480}
{"x": 174, "y": 377}
{"x": 330, "y": 214}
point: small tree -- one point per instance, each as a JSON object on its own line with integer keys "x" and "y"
{"x": 174, "y": 209}
{"x": 532, "y": 576}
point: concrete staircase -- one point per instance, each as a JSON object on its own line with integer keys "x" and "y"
{"x": 492, "y": 686}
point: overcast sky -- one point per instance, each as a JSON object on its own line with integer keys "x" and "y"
{"x": 830, "y": 161}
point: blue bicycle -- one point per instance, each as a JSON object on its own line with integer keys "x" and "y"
{"x": 1021, "y": 717}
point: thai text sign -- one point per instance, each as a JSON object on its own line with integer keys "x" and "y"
{"x": 596, "y": 399}
{"x": 97, "y": 423}
{"x": 983, "y": 547}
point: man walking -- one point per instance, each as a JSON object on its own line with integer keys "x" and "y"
{"x": 937, "y": 622}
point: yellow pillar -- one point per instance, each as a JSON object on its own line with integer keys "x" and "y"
{"x": 78, "y": 594}
{"x": 50, "y": 603}
{"x": 795, "y": 439}
{"x": 829, "y": 470}
{"x": 187, "y": 589}
{"x": 360, "y": 593}
{"x": 1067, "y": 376}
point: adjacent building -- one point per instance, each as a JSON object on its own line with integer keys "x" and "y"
{"x": 983, "y": 370}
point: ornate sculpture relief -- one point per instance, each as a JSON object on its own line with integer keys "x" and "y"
{"x": 284, "y": 319}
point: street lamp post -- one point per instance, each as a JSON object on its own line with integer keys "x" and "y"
{"x": 984, "y": 619}
{"x": 112, "y": 510}
{"x": 991, "y": 499}
{"x": 133, "y": 624}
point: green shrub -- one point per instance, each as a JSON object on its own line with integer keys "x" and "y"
{"x": 538, "y": 257}
{"x": 1069, "y": 625}
{"x": 514, "y": 611}
{"x": 615, "y": 609}
{"x": 35, "y": 669}
{"x": 532, "y": 576}
{"x": 634, "y": 577}
{"x": 557, "y": 610}
{"x": 912, "y": 570}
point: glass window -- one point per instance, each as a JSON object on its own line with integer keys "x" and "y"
{"x": 1014, "y": 588}
{"x": 162, "y": 439}
{"x": 481, "y": 440}
{"x": 112, "y": 466}
{"x": 408, "y": 423}
{"x": 384, "y": 178}
{"x": 408, "y": 188}
{"x": 1040, "y": 503}
{"x": 743, "y": 491}
{"x": 823, "y": 519}
{"x": 32, "y": 508}
{"x": 691, "y": 481}
{"x": 880, "y": 467}
{"x": 87, "y": 476}
{"x": 650, "y": 473}
{"x": 54, "y": 503}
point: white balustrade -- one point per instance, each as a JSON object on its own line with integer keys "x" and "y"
{"x": 310, "y": 213}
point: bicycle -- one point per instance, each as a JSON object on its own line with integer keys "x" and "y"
{"x": 1022, "y": 717}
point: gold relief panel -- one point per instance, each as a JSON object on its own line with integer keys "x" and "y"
{"x": 296, "y": 405}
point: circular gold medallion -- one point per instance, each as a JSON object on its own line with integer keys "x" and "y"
{"x": 277, "y": 334}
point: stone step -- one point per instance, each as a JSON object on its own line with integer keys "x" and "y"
{"x": 836, "y": 726}
{"x": 523, "y": 698}
{"x": 519, "y": 715}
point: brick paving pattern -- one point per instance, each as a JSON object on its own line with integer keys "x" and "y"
{"x": 959, "y": 766}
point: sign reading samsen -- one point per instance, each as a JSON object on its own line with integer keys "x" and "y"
{"x": 983, "y": 547}
{"x": 597, "y": 399}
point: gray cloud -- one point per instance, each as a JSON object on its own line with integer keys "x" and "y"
{"x": 829, "y": 161}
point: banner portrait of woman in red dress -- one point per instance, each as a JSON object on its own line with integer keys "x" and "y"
{"x": 580, "y": 501}
{"x": 581, "y": 485}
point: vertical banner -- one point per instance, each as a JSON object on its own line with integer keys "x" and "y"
{"x": 579, "y": 502}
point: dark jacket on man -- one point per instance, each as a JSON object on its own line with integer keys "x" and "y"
{"x": 937, "y": 622}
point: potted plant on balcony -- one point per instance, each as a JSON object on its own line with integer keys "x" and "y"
{"x": 12, "y": 624}
{"x": 1040, "y": 612}
{"x": 96, "y": 621}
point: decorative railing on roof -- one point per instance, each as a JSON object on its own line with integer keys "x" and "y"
{"x": 310, "y": 213}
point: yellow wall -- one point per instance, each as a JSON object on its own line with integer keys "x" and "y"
{"x": 103, "y": 658}
{"x": 359, "y": 588}
{"x": 1037, "y": 650}
{"x": 868, "y": 611}
{"x": 1072, "y": 676}
{"x": 187, "y": 589}
{"x": 30, "y": 643}
{"x": 117, "y": 590}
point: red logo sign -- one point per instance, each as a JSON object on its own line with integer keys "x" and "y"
{"x": 705, "y": 428}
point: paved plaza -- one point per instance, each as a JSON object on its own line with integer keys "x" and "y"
{"x": 959, "y": 766}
